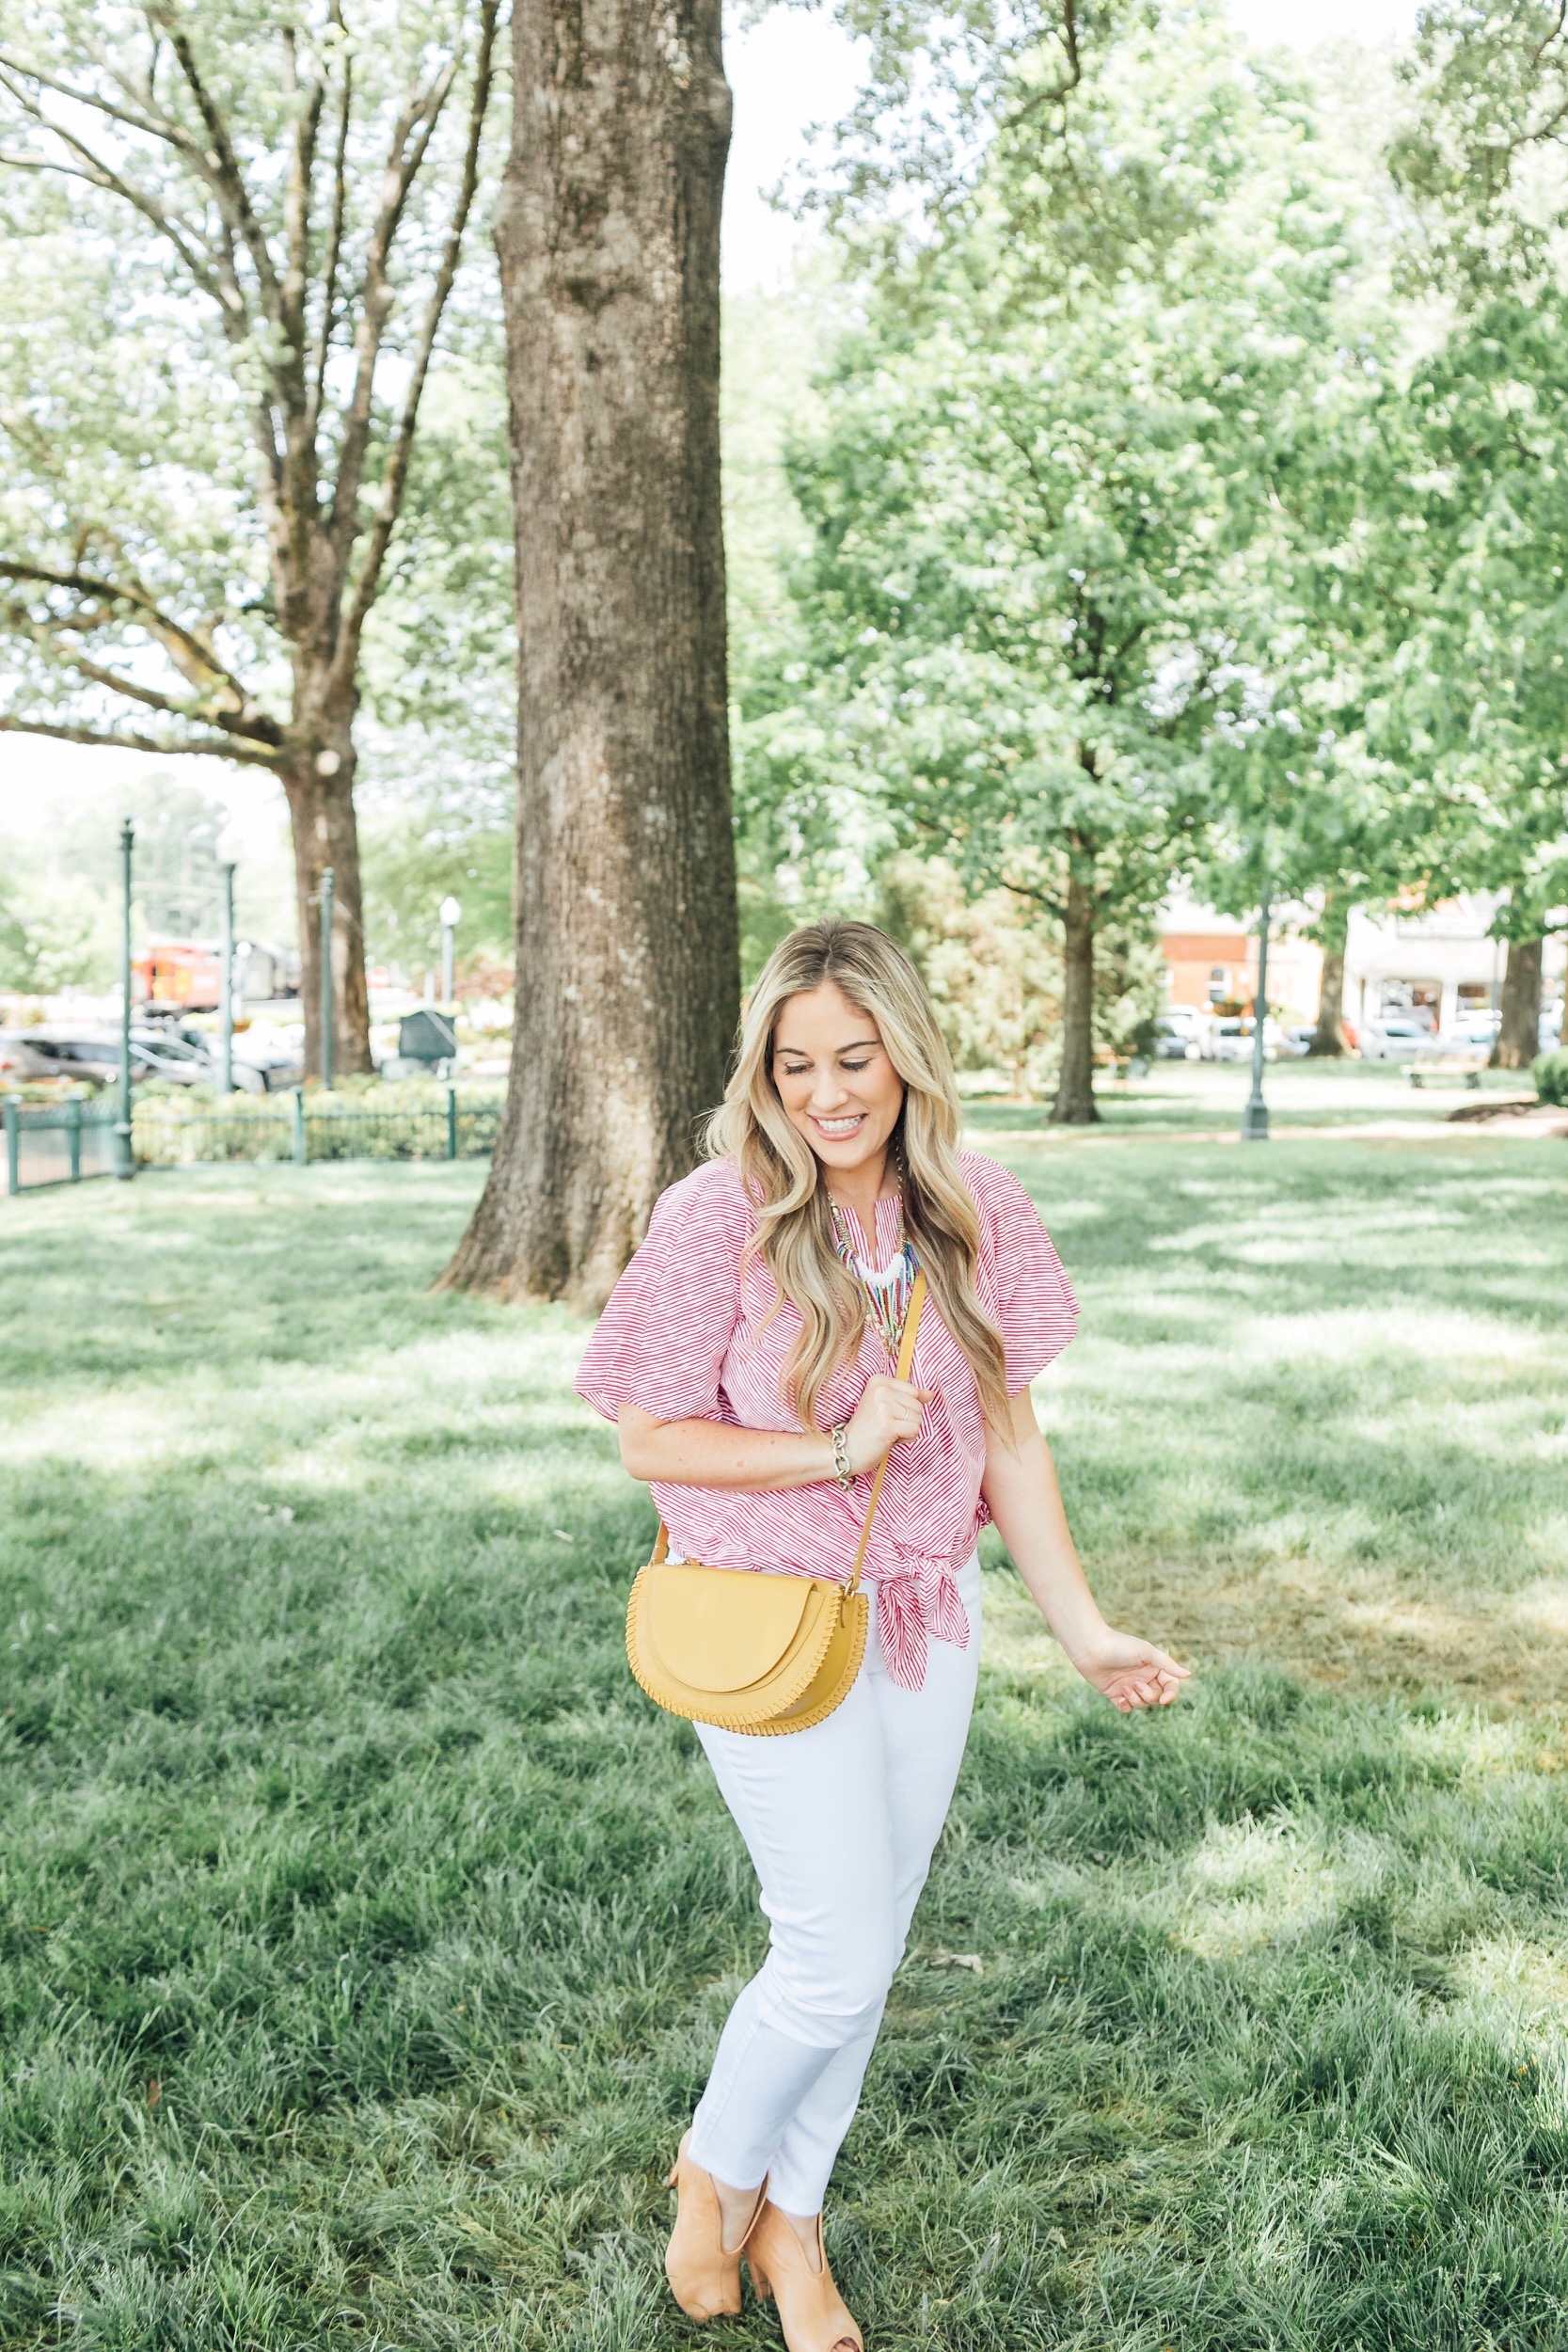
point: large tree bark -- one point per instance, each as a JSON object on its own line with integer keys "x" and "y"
{"x": 318, "y": 774}
{"x": 1074, "y": 1106}
{"x": 1328, "y": 1038}
{"x": 1519, "y": 1032}
{"x": 626, "y": 934}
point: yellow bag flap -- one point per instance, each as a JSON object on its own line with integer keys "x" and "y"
{"x": 699, "y": 1634}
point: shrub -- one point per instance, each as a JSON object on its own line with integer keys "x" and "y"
{"x": 1550, "y": 1072}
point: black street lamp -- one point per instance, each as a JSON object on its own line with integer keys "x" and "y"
{"x": 452, "y": 914}
{"x": 125, "y": 1163}
{"x": 1255, "y": 1118}
{"x": 229, "y": 855}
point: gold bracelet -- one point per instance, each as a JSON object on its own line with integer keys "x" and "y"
{"x": 842, "y": 1471}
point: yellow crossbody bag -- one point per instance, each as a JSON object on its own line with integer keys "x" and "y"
{"x": 747, "y": 1650}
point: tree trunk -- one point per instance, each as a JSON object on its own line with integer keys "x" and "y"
{"x": 1328, "y": 1038}
{"x": 626, "y": 932}
{"x": 318, "y": 778}
{"x": 1074, "y": 1106}
{"x": 1519, "y": 1034}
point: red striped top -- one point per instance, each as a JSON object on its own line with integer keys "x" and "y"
{"x": 686, "y": 1335}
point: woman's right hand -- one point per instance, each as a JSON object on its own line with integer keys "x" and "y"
{"x": 889, "y": 1412}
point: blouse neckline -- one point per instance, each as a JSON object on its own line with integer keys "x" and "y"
{"x": 877, "y": 1253}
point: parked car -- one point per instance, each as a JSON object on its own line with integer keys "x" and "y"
{"x": 17, "y": 1058}
{"x": 170, "y": 1056}
{"x": 269, "y": 1061}
{"x": 1397, "y": 1037}
{"x": 95, "y": 1060}
{"x": 1472, "y": 1033}
{"x": 1297, "y": 1039}
{"x": 1233, "y": 1039}
{"x": 266, "y": 1058}
{"x": 1177, "y": 1037}
{"x": 1481, "y": 1028}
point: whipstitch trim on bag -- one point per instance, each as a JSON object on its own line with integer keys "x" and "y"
{"x": 770, "y": 1725}
{"x": 808, "y": 1663}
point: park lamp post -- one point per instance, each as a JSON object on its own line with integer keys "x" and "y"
{"x": 229, "y": 857}
{"x": 452, "y": 914}
{"x": 125, "y": 1165}
{"x": 1255, "y": 1118}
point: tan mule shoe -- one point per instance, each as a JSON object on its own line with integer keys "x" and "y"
{"x": 812, "y": 2311}
{"x": 704, "y": 2272}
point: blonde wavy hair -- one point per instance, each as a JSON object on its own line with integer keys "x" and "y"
{"x": 783, "y": 1175}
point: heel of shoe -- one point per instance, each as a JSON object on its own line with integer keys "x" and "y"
{"x": 762, "y": 2285}
{"x": 703, "y": 2273}
{"x": 811, "y": 2311}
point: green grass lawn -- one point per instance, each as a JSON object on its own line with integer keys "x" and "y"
{"x": 364, "y": 1933}
{"x": 1206, "y": 1098}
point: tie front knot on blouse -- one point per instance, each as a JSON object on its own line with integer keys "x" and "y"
{"x": 694, "y": 1330}
{"x": 917, "y": 1600}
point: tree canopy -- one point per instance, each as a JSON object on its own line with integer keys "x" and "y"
{"x": 234, "y": 238}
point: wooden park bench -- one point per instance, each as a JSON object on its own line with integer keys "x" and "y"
{"x": 1464, "y": 1063}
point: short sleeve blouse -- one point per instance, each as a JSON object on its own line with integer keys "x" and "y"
{"x": 690, "y": 1332}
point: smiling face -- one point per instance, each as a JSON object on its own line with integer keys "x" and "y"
{"x": 835, "y": 1079}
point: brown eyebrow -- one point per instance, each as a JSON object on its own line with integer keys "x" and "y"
{"x": 839, "y": 1051}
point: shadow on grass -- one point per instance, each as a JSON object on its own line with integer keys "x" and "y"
{"x": 366, "y": 1934}
{"x": 1320, "y": 1407}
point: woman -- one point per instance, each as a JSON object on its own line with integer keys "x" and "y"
{"x": 748, "y": 1357}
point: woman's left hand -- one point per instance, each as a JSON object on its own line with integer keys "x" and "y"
{"x": 1132, "y": 1673}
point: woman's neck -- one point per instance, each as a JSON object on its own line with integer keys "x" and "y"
{"x": 861, "y": 1188}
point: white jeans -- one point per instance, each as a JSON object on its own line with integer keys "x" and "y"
{"x": 841, "y": 1822}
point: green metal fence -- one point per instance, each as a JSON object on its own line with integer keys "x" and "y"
{"x": 55, "y": 1143}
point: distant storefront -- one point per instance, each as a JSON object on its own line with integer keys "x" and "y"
{"x": 1216, "y": 971}
{"x": 1439, "y": 965}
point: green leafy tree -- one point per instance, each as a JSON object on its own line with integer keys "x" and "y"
{"x": 178, "y": 881}
{"x": 1048, "y": 457}
{"x": 1483, "y": 155}
{"x": 1314, "y": 800}
{"x": 441, "y": 742}
{"x": 232, "y": 238}
{"x": 1483, "y": 684}
{"x": 55, "y": 933}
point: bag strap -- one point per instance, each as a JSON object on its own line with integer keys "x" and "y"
{"x": 906, "y": 1365}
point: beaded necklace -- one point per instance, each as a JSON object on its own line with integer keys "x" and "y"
{"x": 886, "y": 1292}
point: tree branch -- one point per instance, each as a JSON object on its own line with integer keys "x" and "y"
{"x": 335, "y": 237}
{"x": 398, "y": 176}
{"x": 292, "y": 366}
{"x": 1059, "y": 90}
{"x": 169, "y": 630}
{"x": 157, "y": 126}
{"x": 1533, "y": 137}
{"x": 192, "y": 248}
{"x": 160, "y": 746}
{"x": 395, "y": 480}
{"x": 253, "y": 724}
{"x": 1037, "y": 894}
{"x": 296, "y": 198}
{"x": 1558, "y": 22}
{"x": 222, "y": 172}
